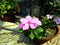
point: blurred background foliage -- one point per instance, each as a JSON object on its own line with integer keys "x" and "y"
{"x": 50, "y": 7}
{"x": 6, "y": 6}
{"x": 40, "y": 7}
{"x": 30, "y": 7}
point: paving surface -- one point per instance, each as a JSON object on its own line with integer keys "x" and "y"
{"x": 54, "y": 41}
{"x": 12, "y": 37}
{"x": 8, "y": 37}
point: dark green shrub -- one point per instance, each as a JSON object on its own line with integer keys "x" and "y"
{"x": 6, "y": 6}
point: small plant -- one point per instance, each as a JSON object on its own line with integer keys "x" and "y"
{"x": 35, "y": 28}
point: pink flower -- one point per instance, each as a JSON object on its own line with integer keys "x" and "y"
{"x": 49, "y": 16}
{"x": 29, "y": 22}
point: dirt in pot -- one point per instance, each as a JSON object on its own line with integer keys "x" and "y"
{"x": 51, "y": 35}
{"x": 46, "y": 37}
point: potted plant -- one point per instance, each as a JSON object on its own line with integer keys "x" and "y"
{"x": 39, "y": 30}
{"x": 7, "y": 10}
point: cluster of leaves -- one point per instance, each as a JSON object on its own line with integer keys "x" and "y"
{"x": 48, "y": 23}
{"x": 35, "y": 33}
{"x": 49, "y": 6}
{"x": 6, "y": 5}
{"x": 52, "y": 7}
{"x": 56, "y": 5}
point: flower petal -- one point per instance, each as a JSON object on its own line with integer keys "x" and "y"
{"x": 21, "y": 25}
{"x": 33, "y": 26}
{"x": 49, "y": 16}
{"x": 23, "y": 20}
{"x": 57, "y": 20}
{"x": 26, "y": 27}
{"x": 29, "y": 18}
{"x": 39, "y": 23}
{"x": 36, "y": 20}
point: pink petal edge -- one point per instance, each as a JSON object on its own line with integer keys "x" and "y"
{"x": 23, "y": 20}
{"x": 33, "y": 26}
{"x": 26, "y": 27}
{"x": 29, "y": 18}
{"x": 21, "y": 25}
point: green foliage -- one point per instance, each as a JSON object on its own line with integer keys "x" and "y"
{"x": 56, "y": 7}
{"x": 20, "y": 30}
{"x": 39, "y": 32}
{"x": 48, "y": 23}
{"x": 6, "y": 5}
{"x": 31, "y": 35}
{"x": 48, "y": 7}
{"x": 48, "y": 32}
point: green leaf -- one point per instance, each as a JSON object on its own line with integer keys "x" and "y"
{"x": 51, "y": 3}
{"x": 45, "y": 18}
{"x": 37, "y": 35}
{"x": 31, "y": 35}
{"x": 20, "y": 30}
{"x": 48, "y": 32}
{"x": 3, "y": 12}
{"x": 38, "y": 30}
{"x": 9, "y": 6}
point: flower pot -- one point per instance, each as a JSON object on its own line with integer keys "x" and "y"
{"x": 41, "y": 41}
{"x": 58, "y": 27}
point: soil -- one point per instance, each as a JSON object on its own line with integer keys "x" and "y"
{"x": 9, "y": 18}
{"x": 49, "y": 36}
